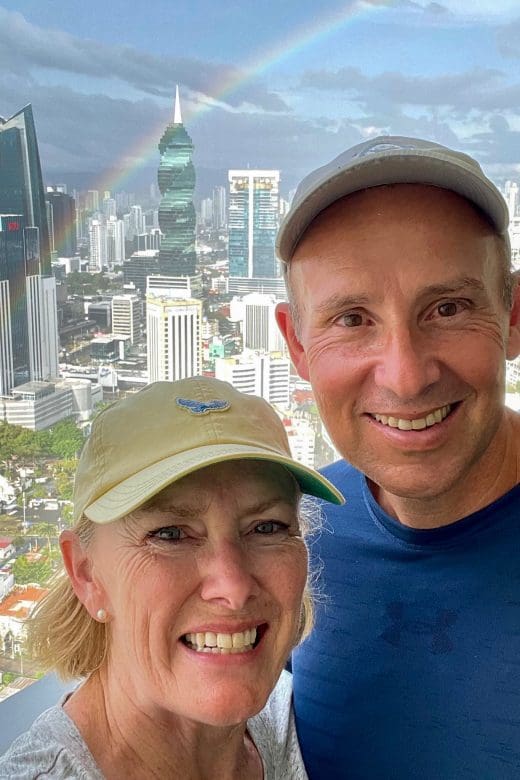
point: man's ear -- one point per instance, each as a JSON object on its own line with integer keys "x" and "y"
{"x": 79, "y": 568}
{"x": 513, "y": 341}
{"x": 287, "y": 326}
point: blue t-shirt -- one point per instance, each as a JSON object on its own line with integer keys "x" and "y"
{"x": 413, "y": 668}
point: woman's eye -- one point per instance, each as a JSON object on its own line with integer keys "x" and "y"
{"x": 171, "y": 533}
{"x": 270, "y": 527}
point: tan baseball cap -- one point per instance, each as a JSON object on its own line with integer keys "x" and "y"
{"x": 389, "y": 160}
{"x": 155, "y": 437}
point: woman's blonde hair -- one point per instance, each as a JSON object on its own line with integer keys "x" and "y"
{"x": 63, "y": 636}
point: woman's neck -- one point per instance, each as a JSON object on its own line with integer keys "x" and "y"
{"x": 126, "y": 741}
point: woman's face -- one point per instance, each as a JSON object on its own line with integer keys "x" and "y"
{"x": 203, "y": 591}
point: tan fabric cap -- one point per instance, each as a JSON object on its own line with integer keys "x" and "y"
{"x": 140, "y": 445}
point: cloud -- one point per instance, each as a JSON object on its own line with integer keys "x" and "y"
{"x": 508, "y": 39}
{"x": 25, "y": 48}
{"x": 480, "y": 89}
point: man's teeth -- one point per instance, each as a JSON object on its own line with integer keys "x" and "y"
{"x": 209, "y": 642}
{"x": 414, "y": 425}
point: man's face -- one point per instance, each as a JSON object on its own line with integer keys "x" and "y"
{"x": 403, "y": 335}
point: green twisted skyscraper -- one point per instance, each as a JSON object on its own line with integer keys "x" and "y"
{"x": 176, "y": 179}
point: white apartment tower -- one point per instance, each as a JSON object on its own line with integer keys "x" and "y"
{"x": 97, "y": 239}
{"x": 126, "y": 316}
{"x": 174, "y": 343}
{"x": 260, "y": 330}
{"x": 258, "y": 375}
{"x": 115, "y": 241}
{"x": 42, "y": 322}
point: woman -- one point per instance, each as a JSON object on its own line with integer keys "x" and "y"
{"x": 185, "y": 592}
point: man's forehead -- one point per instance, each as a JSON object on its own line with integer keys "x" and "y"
{"x": 405, "y": 202}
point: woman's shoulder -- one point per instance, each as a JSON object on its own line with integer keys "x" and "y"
{"x": 53, "y": 748}
{"x": 274, "y": 733}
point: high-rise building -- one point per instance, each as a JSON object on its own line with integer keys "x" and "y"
{"x": 109, "y": 207}
{"x": 92, "y": 201}
{"x": 259, "y": 374}
{"x": 97, "y": 239}
{"x": 176, "y": 179}
{"x": 115, "y": 241}
{"x": 21, "y": 184}
{"x": 63, "y": 208}
{"x": 14, "y": 338}
{"x": 173, "y": 333}
{"x": 126, "y": 316}
{"x": 260, "y": 329}
{"x": 253, "y": 219}
{"x": 135, "y": 222}
{"x": 219, "y": 207}
{"x": 28, "y": 317}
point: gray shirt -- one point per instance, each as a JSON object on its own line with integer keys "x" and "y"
{"x": 53, "y": 747}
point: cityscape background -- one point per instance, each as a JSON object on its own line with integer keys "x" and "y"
{"x": 145, "y": 165}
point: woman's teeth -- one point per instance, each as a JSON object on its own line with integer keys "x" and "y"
{"x": 210, "y": 642}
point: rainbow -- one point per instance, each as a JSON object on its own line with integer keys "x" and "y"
{"x": 145, "y": 150}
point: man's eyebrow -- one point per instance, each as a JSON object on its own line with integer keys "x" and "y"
{"x": 454, "y": 286}
{"x": 338, "y": 302}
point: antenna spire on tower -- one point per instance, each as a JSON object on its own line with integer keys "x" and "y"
{"x": 177, "y": 117}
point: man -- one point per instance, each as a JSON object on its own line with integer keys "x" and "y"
{"x": 402, "y": 312}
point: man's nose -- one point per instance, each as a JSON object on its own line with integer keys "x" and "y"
{"x": 227, "y": 576}
{"x": 407, "y": 366}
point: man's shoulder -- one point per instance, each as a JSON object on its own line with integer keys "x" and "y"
{"x": 340, "y": 471}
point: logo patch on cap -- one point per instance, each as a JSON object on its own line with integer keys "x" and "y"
{"x": 383, "y": 147}
{"x": 202, "y": 407}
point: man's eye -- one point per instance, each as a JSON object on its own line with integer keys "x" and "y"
{"x": 449, "y": 308}
{"x": 171, "y": 533}
{"x": 353, "y": 320}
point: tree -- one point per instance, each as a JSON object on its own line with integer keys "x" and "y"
{"x": 26, "y": 571}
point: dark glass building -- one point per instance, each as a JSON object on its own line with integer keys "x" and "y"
{"x": 14, "y": 337}
{"x": 21, "y": 184}
{"x": 176, "y": 179}
{"x": 64, "y": 223}
{"x": 253, "y": 222}
{"x": 28, "y": 317}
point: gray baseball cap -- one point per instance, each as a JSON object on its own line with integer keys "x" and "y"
{"x": 389, "y": 160}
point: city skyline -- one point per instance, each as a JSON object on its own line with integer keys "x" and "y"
{"x": 262, "y": 86}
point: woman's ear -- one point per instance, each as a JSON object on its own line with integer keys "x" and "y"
{"x": 78, "y": 565}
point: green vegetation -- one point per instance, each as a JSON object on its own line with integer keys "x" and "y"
{"x": 26, "y": 571}
{"x": 63, "y": 440}
{"x": 86, "y": 284}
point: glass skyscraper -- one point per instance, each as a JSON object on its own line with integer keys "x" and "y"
{"x": 28, "y": 321}
{"x": 21, "y": 184}
{"x": 176, "y": 179}
{"x": 253, "y": 221}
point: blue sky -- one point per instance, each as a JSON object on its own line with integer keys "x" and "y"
{"x": 279, "y": 84}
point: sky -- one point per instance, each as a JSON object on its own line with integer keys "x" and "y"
{"x": 278, "y": 84}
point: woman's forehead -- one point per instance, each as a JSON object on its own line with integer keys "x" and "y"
{"x": 240, "y": 478}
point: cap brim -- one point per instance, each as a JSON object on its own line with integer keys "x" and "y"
{"x": 392, "y": 167}
{"x": 139, "y": 488}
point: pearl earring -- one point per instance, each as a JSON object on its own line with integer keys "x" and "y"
{"x": 101, "y": 615}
